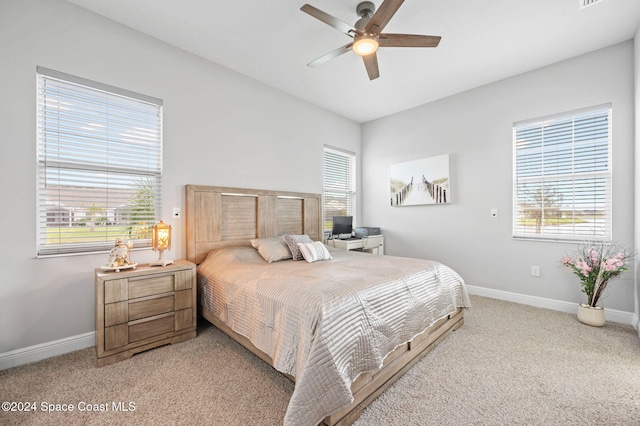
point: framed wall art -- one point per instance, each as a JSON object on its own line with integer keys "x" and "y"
{"x": 418, "y": 182}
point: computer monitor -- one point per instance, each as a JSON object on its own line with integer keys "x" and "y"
{"x": 342, "y": 225}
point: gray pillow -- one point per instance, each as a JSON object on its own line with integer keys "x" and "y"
{"x": 293, "y": 241}
{"x": 272, "y": 249}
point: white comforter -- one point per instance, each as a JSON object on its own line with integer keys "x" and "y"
{"x": 327, "y": 322}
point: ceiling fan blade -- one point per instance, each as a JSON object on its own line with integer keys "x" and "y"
{"x": 381, "y": 18}
{"x": 328, "y": 19}
{"x": 371, "y": 64}
{"x": 408, "y": 40}
{"x": 334, "y": 53}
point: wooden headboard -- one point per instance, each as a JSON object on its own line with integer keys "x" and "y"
{"x": 220, "y": 216}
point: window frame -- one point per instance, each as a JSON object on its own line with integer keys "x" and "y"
{"x": 124, "y": 171}
{"x": 349, "y": 189}
{"x": 599, "y": 178}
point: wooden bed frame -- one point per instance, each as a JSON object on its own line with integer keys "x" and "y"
{"x": 220, "y": 216}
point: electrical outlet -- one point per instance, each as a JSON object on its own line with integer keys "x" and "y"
{"x": 535, "y": 270}
{"x": 176, "y": 212}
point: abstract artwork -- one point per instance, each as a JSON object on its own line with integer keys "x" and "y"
{"x": 418, "y": 182}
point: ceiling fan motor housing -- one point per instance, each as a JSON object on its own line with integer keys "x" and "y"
{"x": 365, "y": 8}
{"x": 365, "y": 11}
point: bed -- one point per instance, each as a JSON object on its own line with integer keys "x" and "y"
{"x": 343, "y": 329}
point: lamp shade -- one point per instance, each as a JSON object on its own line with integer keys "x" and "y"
{"x": 161, "y": 237}
{"x": 161, "y": 241}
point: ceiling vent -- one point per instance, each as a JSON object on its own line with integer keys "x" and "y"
{"x": 587, "y": 3}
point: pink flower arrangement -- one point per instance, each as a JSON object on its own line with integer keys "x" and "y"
{"x": 595, "y": 264}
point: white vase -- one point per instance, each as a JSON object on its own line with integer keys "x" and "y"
{"x": 589, "y": 315}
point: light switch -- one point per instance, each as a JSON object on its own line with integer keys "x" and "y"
{"x": 494, "y": 212}
{"x": 176, "y": 212}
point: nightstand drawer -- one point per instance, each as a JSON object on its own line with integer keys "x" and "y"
{"x": 184, "y": 319}
{"x": 152, "y": 306}
{"x": 151, "y": 327}
{"x": 116, "y": 337}
{"x": 184, "y": 299}
{"x": 150, "y": 286}
{"x": 115, "y": 290}
{"x": 116, "y": 313}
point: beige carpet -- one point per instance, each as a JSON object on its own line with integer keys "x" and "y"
{"x": 509, "y": 364}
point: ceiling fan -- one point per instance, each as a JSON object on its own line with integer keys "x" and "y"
{"x": 367, "y": 33}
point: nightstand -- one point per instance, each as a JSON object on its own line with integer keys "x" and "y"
{"x": 143, "y": 308}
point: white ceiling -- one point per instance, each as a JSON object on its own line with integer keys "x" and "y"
{"x": 482, "y": 42}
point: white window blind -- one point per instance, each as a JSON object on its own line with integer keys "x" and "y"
{"x": 339, "y": 185}
{"x": 562, "y": 176}
{"x": 99, "y": 164}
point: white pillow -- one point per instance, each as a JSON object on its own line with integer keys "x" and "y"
{"x": 315, "y": 251}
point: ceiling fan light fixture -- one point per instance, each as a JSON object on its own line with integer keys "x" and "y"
{"x": 365, "y": 45}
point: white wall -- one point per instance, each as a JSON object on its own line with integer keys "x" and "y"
{"x": 475, "y": 127}
{"x": 220, "y": 128}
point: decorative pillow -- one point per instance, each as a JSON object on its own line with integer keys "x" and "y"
{"x": 293, "y": 241}
{"x": 272, "y": 249}
{"x": 314, "y": 251}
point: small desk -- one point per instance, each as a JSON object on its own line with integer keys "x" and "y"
{"x": 353, "y": 244}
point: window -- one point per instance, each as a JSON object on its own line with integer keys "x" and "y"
{"x": 339, "y": 185}
{"x": 99, "y": 164}
{"x": 562, "y": 176}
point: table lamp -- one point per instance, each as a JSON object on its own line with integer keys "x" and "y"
{"x": 161, "y": 241}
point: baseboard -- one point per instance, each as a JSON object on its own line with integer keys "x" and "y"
{"x": 612, "y": 315}
{"x": 46, "y": 350}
